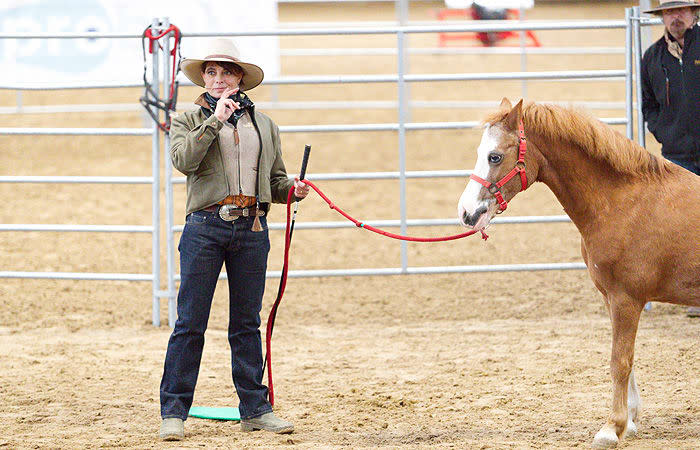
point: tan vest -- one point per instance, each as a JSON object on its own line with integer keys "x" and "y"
{"x": 240, "y": 160}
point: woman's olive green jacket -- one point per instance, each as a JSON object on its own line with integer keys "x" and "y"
{"x": 195, "y": 151}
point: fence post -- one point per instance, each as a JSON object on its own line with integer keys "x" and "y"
{"x": 155, "y": 169}
{"x": 523, "y": 53}
{"x": 638, "y": 49}
{"x": 170, "y": 257}
{"x": 403, "y": 106}
{"x": 628, "y": 73}
{"x": 401, "y": 7}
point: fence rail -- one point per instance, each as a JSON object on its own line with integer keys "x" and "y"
{"x": 439, "y": 27}
{"x": 76, "y": 179}
{"x": 75, "y": 132}
{"x": 82, "y": 228}
{"x": 77, "y": 276}
{"x": 303, "y": 105}
{"x": 409, "y": 223}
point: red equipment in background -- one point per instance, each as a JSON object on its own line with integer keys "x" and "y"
{"x": 487, "y": 39}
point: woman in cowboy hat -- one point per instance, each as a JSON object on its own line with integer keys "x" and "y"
{"x": 232, "y": 158}
{"x": 670, "y": 79}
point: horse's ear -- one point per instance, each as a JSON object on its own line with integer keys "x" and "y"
{"x": 513, "y": 118}
{"x": 505, "y": 104}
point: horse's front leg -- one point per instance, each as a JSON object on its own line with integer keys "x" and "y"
{"x": 624, "y": 314}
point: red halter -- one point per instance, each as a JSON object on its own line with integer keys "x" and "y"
{"x": 495, "y": 188}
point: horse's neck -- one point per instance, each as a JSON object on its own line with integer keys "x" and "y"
{"x": 581, "y": 184}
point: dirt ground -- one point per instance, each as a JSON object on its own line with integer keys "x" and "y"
{"x": 491, "y": 360}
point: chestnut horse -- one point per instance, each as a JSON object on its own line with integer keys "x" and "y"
{"x": 638, "y": 215}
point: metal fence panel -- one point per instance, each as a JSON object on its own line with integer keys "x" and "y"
{"x": 632, "y": 49}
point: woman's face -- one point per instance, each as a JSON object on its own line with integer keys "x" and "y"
{"x": 218, "y": 78}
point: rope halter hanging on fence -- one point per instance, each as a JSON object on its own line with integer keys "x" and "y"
{"x": 150, "y": 98}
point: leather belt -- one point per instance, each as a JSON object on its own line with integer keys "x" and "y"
{"x": 239, "y": 200}
{"x": 212, "y": 208}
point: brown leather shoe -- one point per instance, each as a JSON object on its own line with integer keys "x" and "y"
{"x": 693, "y": 311}
{"x": 267, "y": 422}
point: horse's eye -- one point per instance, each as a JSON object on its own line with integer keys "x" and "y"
{"x": 495, "y": 158}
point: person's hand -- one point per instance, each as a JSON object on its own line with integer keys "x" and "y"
{"x": 301, "y": 190}
{"x": 225, "y": 106}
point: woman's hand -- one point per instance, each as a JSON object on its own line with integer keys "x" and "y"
{"x": 301, "y": 190}
{"x": 225, "y": 106}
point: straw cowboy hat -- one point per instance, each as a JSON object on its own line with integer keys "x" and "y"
{"x": 221, "y": 50}
{"x": 672, "y": 4}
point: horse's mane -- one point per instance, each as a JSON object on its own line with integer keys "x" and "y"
{"x": 580, "y": 129}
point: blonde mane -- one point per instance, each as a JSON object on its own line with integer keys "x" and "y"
{"x": 580, "y": 129}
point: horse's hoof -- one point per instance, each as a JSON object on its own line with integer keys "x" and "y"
{"x": 631, "y": 430}
{"x": 605, "y": 438}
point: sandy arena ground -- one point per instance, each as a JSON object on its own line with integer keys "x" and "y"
{"x": 500, "y": 360}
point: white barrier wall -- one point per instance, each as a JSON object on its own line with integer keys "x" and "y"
{"x": 119, "y": 60}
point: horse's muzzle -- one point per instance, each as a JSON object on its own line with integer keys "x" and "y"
{"x": 473, "y": 218}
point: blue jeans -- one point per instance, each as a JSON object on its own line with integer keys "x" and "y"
{"x": 690, "y": 165}
{"x": 206, "y": 243}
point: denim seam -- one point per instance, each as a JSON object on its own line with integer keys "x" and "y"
{"x": 265, "y": 410}
{"x": 171, "y": 416}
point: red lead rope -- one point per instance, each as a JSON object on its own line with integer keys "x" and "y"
{"x": 285, "y": 266}
{"x": 280, "y": 293}
{"x": 386, "y": 233}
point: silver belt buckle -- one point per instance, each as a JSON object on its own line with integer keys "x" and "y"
{"x": 228, "y": 213}
{"x": 231, "y": 212}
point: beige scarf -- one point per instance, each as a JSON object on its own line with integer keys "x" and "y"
{"x": 674, "y": 47}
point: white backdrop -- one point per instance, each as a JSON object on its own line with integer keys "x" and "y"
{"x": 52, "y": 61}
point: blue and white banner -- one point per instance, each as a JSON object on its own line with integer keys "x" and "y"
{"x": 55, "y": 61}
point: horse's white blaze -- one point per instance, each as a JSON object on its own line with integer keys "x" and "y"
{"x": 469, "y": 201}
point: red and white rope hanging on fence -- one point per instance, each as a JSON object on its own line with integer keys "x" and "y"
{"x": 150, "y": 97}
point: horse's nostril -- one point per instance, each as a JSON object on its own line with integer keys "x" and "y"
{"x": 471, "y": 220}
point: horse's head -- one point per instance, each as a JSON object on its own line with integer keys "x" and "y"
{"x": 499, "y": 173}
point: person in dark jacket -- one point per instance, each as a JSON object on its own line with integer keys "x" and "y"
{"x": 232, "y": 157}
{"x": 671, "y": 87}
{"x": 671, "y": 84}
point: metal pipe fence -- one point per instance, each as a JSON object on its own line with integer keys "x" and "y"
{"x": 402, "y": 126}
{"x": 154, "y": 181}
